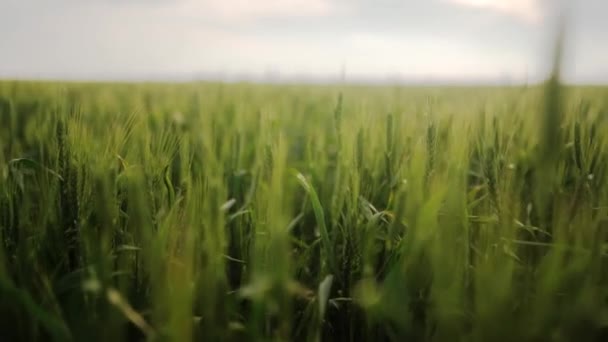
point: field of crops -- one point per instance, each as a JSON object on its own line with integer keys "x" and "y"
{"x": 176, "y": 212}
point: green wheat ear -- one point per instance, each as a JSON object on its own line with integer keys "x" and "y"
{"x": 551, "y": 145}
{"x": 553, "y": 110}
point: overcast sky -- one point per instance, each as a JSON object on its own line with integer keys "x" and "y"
{"x": 465, "y": 40}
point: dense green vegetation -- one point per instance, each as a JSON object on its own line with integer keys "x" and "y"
{"x": 228, "y": 212}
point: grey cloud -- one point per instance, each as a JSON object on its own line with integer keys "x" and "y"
{"x": 79, "y": 37}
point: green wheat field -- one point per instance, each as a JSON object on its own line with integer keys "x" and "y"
{"x": 233, "y": 212}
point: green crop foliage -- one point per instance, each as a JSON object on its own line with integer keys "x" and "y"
{"x": 231, "y": 212}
